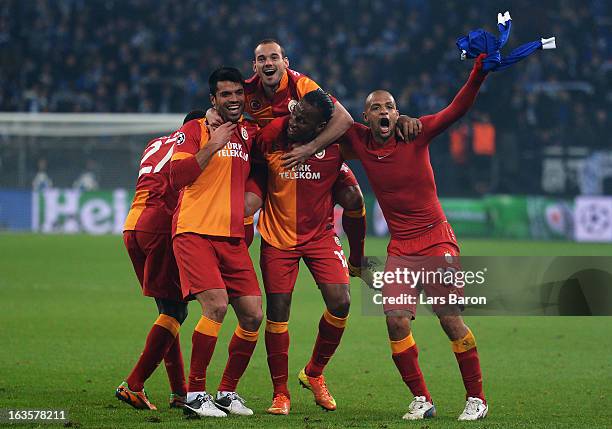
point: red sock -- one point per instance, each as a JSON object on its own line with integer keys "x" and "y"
{"x": 160, "y": 338}
{"x": 406, "y": 358}
{"x": 203, "y": 345}
{"x": 331, "y": 329}
{"x": 176, "y": 368}
{"x": 469, "y": 365}
{"x": 277, "y": 347}
{"x": 240, "y": 351}
{"x": 354, "y": 225}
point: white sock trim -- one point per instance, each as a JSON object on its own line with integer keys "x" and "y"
{"x": 192, "y": 395}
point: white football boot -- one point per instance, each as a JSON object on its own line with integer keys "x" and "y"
{"x": 475, "y": 409}
{"x": 420, "y": 409}
{"x": 202, "y": 406}
{"x": 232, "y": 403}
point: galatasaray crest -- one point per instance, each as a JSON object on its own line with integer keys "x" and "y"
{"x": 255, "y": 105}
{"x": 291, "y": 105}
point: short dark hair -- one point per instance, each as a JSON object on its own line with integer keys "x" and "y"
{"x": 320, "y": 100}
{"x": 194, "y": 114}
{"x": 224, "y": 74}
{"x": 269, "y": 41}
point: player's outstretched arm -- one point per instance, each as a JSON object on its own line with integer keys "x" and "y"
{"x": 339, "y": 124}
{"x": 438, "y": 122}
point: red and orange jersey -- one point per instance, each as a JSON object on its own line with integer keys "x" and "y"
{"x": 211, "y": 201}
{"x": 298, "y": 205}
{"x": 155, "y": 200}
{"x": 293, "y": 86}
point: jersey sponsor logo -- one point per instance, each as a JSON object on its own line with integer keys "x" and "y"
{"x": 291, "y": 104}
{"x": 180, "y": 138}
{"x": 320, "y": 154}
{"x": 255, "y": 104}
{"x": 303, "y": 171}
{"x": 244, "y": 133}
{"x": 233, "y": 150}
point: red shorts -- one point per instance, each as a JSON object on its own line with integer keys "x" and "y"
{"x": 345, "y": 179}
{"x": 435, "y": 251}
{"x": 323, "y": 256}
{"x": 154, "y": 264}
{"x": 206, "y": 262}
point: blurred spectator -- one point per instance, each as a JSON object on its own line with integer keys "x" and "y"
{"x": 484, "y": 149}
{"x": 87, "y": 181}
{"x": 153, "y": 56}
{"x": 41, "y": 180}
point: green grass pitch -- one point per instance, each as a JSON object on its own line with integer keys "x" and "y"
{"x": 73, "y": 322}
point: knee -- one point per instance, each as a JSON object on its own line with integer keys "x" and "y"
{"x": 216, "y": 310}
{"x": 180, "y": 313}
{"x": 453, "y": 326}
{"x": 340, "y": 307}
{"x": 252, "y": 320}
{"x": 175, "y": 309}
{"x": 398, "y": 325}
{"x": 278, "y": 307}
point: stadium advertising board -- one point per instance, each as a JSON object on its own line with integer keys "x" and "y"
{"x": 593, "y": 219}
{"x": 70, "y": 211}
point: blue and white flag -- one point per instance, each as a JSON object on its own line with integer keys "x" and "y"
{"x": 482, "y": 42}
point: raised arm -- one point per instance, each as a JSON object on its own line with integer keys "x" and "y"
{"x": 438, "y": 122}
{"x": 188, "y": 160}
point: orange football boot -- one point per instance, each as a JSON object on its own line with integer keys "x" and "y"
{"x": 137, "y": 400}
{"x": 317, "y": 386}
{"x": 280, "y": 405}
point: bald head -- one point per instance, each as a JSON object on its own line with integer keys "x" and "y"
{"x": 379, "y": 94}
{"x": 381, "y": 114}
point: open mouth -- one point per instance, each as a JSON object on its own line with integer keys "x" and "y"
{"x": 384, "y": 125}
{"x": 234, "y": 108}
{"x": 269, "y": 72}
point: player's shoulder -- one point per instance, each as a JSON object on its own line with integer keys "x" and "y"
{"x": 251, "y": 84}
{"x": 358, "y": 130}
{"x": 190, "y": 131}
{"x": 275, "y": 127}
{"x": 296, "y": 75}
{"x": 250, "y": 125}
{"x": 273, "y": 131}
{"x": 193, "y": 126}
{"x": 157, "y": 139}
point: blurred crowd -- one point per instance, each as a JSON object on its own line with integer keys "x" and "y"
{"x": 155, "y": 56}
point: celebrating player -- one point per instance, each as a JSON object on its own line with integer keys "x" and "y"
{"x": 296, "y": 222}
{"x": 210, "y": 168}
{"x": 403, "y": 182}
{"x": 271, "y": 93}
{"x": 146, "y": 235}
